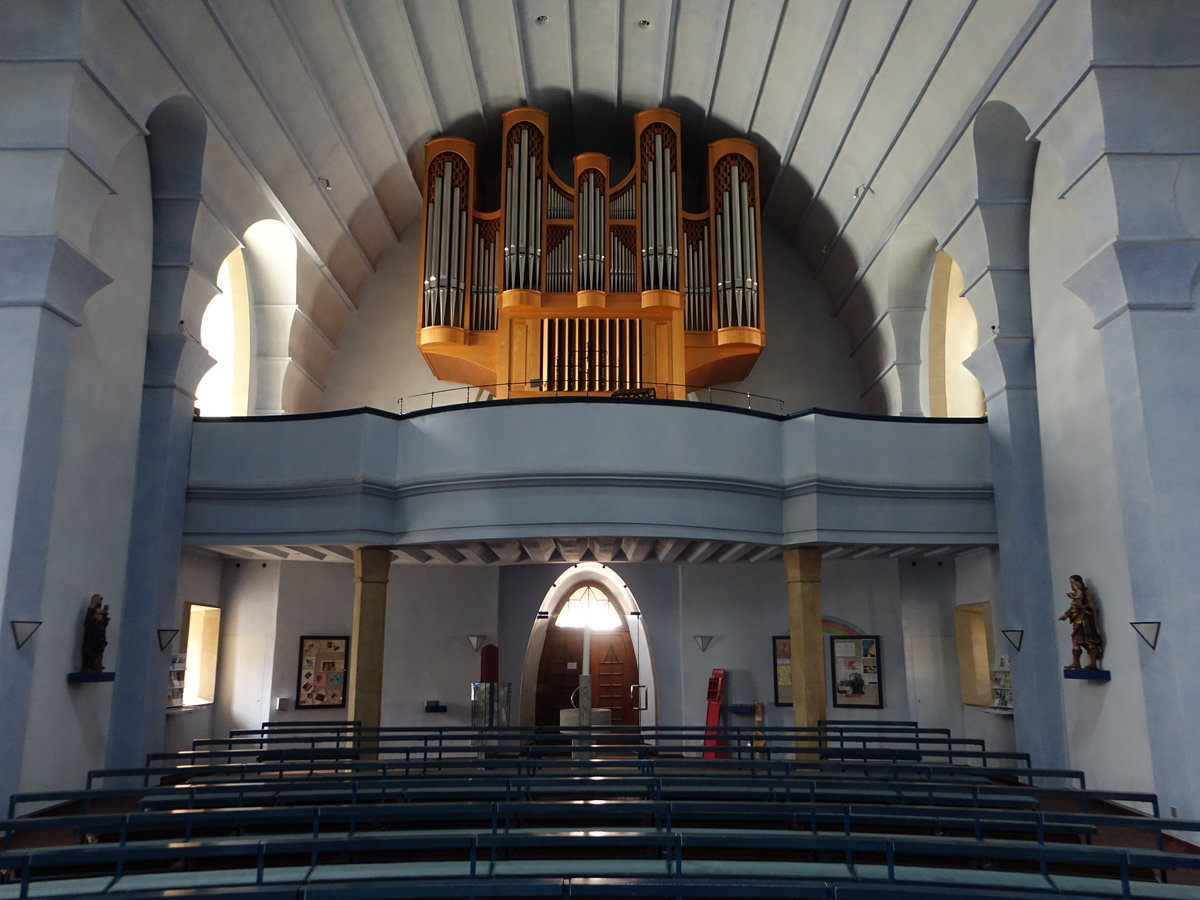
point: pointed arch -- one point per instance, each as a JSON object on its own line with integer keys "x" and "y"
{"x": 619, "y": 594}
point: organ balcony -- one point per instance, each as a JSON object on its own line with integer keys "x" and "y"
{"x": 594, "y": 286}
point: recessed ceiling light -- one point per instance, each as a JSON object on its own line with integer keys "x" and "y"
{"x": 643, "y": 23}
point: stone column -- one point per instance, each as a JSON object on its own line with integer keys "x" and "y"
{"x": 1130, "y": 160}
{"x": 59, "y": 138}
{"x": 364, "y": 698}
{"x": 803, "y": 567}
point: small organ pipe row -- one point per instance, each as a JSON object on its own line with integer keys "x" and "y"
{"x": 697, "y": 309}
{"x": 445, "y": 242}
{"x": 622, "y": 203}
{"x": 559, "y": 204}
{"x": 623, "y": 275}
{"x": 558, "y": 259}
{"x": 483, "y": 277}
{"x": 591, "y": 354}
{"x": 592, "y": 218}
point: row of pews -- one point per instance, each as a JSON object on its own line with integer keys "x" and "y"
{"x": 846, "y": 810}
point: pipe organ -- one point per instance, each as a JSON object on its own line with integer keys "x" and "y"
{"x": 591, "y": 286}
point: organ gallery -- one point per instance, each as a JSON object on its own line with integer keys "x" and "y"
{"x": 591, "y": 286}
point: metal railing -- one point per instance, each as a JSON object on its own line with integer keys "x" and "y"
{"x": 466, "y": 394}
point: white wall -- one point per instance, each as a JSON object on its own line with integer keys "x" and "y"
{"x": 977, "y": 576}
{"x": 377, "y": 361}
{"x": 314, "y": 598}
{"x": 67, "y": 729}
{"x": 742, "y": 606}
{"x": 431, "y": 610}
{"x": 927, "y": 600}
{"x": 250, "y": 599}
{"x": 866, "y": 594}
{"x": 199, "y": 582}
{"x": 805, "y": 362}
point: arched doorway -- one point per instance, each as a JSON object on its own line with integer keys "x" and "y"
{"x": 620, "y": 657}
{"x": 613, "y": 662}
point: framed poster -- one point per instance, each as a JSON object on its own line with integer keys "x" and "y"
{"x": 782, "y": 652}
{"x": 323, "y": 674}
{"x": 857, "y": 679}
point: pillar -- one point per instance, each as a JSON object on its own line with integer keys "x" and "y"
{"x": 364, "y": 698}
{"x": 803, "y": 568}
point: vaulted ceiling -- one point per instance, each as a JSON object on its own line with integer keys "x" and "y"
{"x": 855, "y": 103}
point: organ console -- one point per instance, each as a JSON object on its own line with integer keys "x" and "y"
{"x": 591, "y": 286}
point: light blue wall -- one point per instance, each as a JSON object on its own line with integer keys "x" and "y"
{"x": 562, "y": 468}
{"x": 1106, "y": 723}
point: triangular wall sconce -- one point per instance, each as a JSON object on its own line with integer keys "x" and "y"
{"x": 1148, "y": 632}
{"x": 23, "y": 630}
{"x": 165, "y": 636}
{"x": 476, "y": 640}
{"x": 1014, "y": 636}
{"x": 703, "y": 640}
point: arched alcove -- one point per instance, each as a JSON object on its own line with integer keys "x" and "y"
{"x": 953, "y": 337}
{"x": 618, "y": 593}
{"x": 270, "y": 254}
{"x": 225, "y": 334}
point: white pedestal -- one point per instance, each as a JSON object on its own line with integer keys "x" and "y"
{"x": 570, "y": 718}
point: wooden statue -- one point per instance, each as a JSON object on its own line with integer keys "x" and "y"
{"x": 95, "y": 628}
{"x": 1085, "y": 625}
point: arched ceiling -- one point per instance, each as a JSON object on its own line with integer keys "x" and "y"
{"x": 855, "y": 103}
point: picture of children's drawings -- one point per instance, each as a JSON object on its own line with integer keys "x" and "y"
{"x": 322, "y": 676}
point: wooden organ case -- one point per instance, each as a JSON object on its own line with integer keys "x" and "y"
{"x": 591, "y": 287}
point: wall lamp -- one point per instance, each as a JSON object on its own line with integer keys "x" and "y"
{"x": 476, "y": 641}
{"x": 702, "y": 640}
{"x": 165, "y": 636}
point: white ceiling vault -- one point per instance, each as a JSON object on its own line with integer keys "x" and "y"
{"x": 854, "y": 103}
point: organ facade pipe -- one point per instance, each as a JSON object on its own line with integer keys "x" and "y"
{"x": 597, "y": 284}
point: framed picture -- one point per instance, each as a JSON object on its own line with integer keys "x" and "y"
{"x": 857, "y": 676}
{"x": 782, "y": 652}
{"x": 323, "y": 675}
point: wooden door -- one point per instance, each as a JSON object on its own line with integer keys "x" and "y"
{"x": 613, "y": 667}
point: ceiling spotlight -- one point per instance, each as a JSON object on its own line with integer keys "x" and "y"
{"x": 542, "y": 20}
{"x": 860, "y": 191}
{"x": 325, "y": 183}
{"x": 643, "y": 23}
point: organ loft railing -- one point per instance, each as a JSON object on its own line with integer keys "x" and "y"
{"x": 593, "y": 285}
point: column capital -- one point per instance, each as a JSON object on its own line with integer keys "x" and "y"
{"x": 176, "y": 361}
{"x": 1131, "y": 275}
{"x": 1003, "y": 363}
{"x": 802, "y": 564}
{"x": 372, "y": 565}
{"x": 46, "y": 271}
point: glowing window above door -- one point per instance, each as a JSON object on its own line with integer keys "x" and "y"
{"x": 588, "y": 607}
